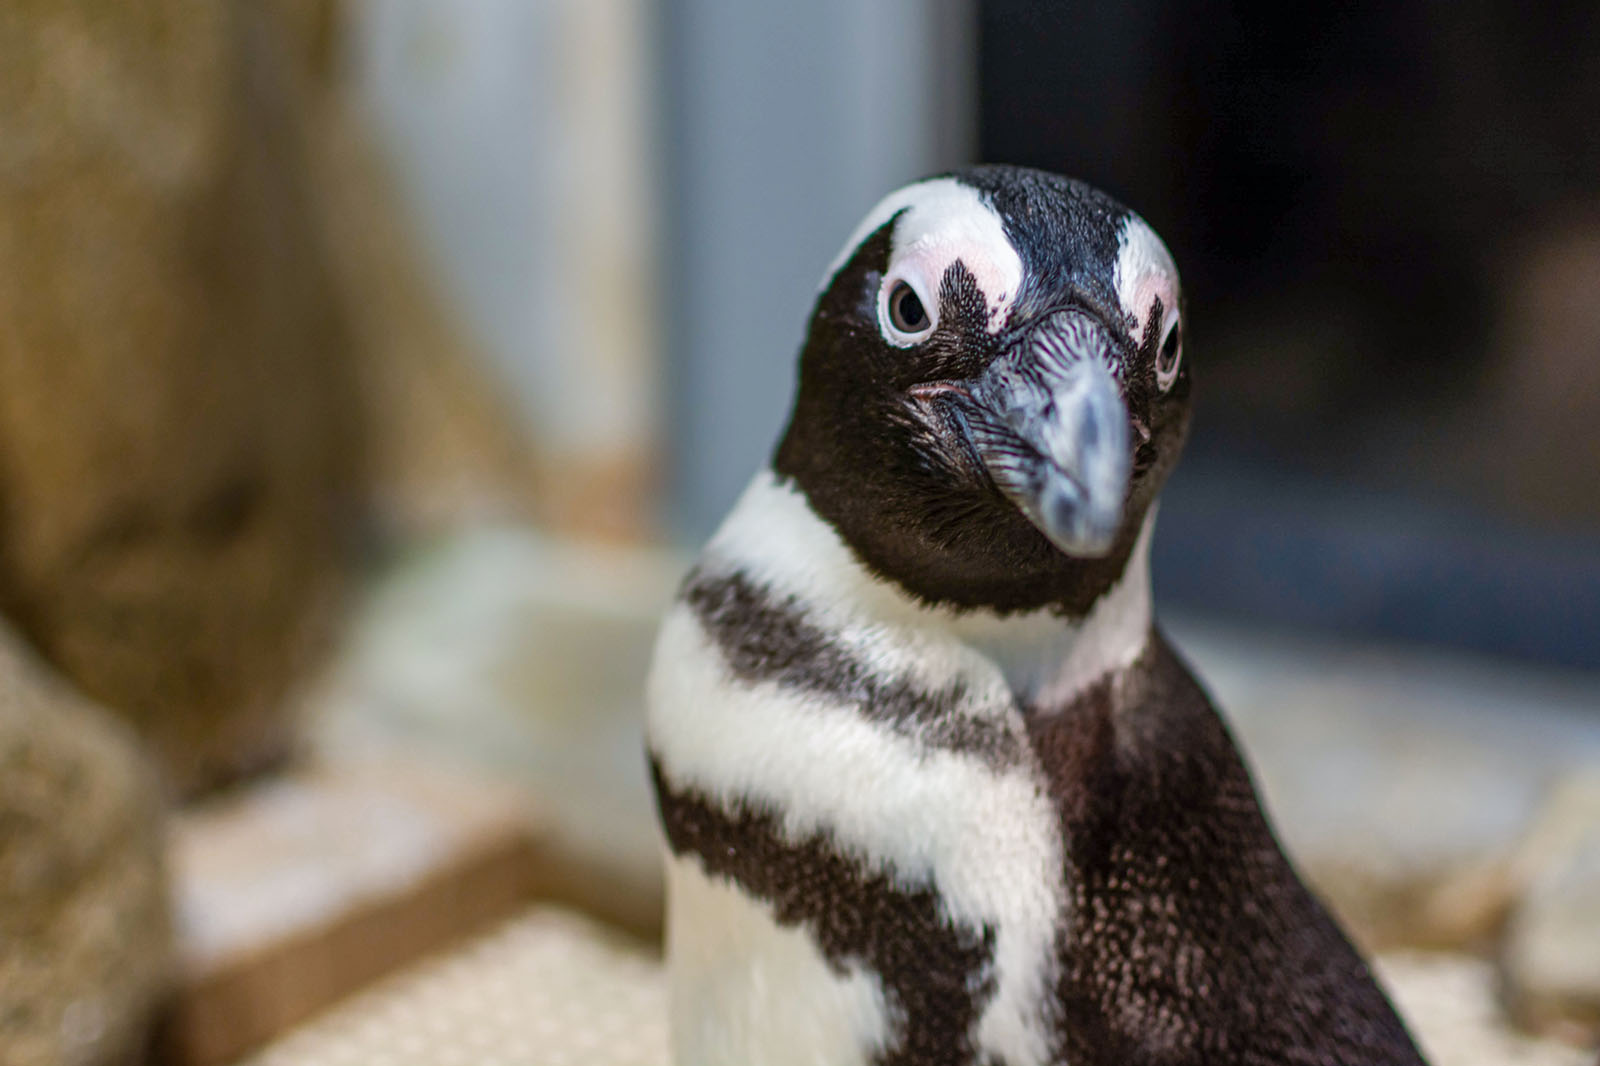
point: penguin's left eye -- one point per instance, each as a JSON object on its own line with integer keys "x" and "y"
{"x": 1170, "y": 354}
{"x": 906, "y": 318}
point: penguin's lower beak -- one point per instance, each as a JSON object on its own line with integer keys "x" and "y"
{"x": 1051, "y": 427}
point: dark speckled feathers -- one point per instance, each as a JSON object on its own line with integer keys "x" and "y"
{"x": 767, "y": 638}
{"x": 1195, "y": 941}
{"x": 936, "y": 975}
{"x": 1065, "y": 231}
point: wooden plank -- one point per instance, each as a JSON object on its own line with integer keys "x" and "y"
{"x": 300, "y": 890}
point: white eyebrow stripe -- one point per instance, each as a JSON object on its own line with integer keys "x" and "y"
{"x": 1144, "y": 271}
{"x": 944, "y": 221}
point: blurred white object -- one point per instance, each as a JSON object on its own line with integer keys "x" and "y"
{"x": 1551, "y": 960}
{"x": 1449, "y": 1003}
{"x": 518, "y": 131}
{"x": 523, "y": 657}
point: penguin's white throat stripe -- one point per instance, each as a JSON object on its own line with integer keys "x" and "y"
{"x": 779, "y": 544}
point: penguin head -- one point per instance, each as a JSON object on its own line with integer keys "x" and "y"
{"x": 993, "y": 389}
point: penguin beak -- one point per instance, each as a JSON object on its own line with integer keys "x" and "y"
{"x": 1051, "y": 427}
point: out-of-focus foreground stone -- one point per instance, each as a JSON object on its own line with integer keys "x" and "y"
{"x": 1450, "y": 1005}
{"x": 1551, "y": 956}
{"x": 178, "y": 422}
{"x": 85, "y": 941}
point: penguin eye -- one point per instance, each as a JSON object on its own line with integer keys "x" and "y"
{"x": 908, "y": 317}
{"x": 905, "y": 310}
{"x": 1171, "y": 353}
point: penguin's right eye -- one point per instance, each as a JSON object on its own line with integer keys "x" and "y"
{"x": 906, "y": 311}
{"x": 902, "y": 315}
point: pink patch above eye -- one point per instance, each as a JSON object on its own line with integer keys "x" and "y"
{"x": 1154, "y": 284}
{"x": 924, "y": 263}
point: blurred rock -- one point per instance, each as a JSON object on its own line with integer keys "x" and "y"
{"x": 84, "y": 925}
{"x": 1551, "y": 956}
{"x": 1450, "y": 1005}
{"x": 179, "y": 432}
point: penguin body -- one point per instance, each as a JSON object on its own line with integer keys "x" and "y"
{"x": 934, "y": 787}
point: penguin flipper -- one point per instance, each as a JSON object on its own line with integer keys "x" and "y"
{"x": 1201, "y": 944}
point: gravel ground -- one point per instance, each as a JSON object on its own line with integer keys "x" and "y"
{"x": 551, "y": 988}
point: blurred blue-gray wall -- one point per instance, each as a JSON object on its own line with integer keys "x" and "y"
{"x": 784, "y": 123}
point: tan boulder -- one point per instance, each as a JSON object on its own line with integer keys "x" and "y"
{"x": 178, "y": 423}
{"x": 87, "y": 953}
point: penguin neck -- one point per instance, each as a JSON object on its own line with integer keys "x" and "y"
{"x": 775, "y": 538}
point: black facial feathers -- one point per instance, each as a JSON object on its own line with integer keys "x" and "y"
{"x": 1066, "y": 233}
{"x": 881, "y": 458}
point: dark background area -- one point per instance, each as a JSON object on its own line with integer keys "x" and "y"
{"x": 1388, "y": 222}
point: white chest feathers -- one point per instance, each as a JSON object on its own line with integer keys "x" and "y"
{"x": 747, "y": 991}
{"x": 845, "y": 776}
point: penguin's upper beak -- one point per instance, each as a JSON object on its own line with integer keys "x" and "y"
{"x": 1051, "y": 427}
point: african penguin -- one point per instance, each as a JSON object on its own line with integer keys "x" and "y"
{"x": 934, "y": 787}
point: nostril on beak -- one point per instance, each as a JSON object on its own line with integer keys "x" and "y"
{"x": 1089, "y": 430}
{"x": 1062, "y": 505}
